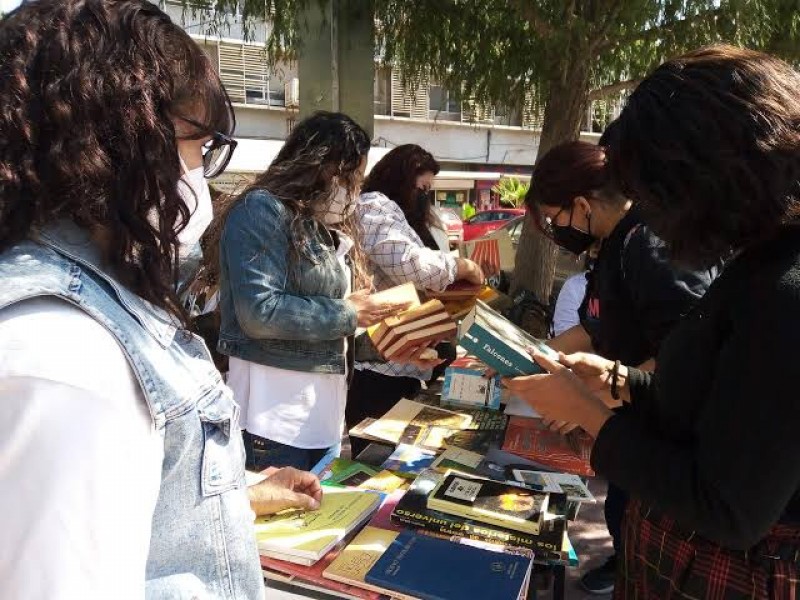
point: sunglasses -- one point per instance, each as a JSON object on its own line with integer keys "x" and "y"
{"x": 217, "y": 151}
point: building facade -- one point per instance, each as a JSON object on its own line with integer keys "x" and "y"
{"x": 475, "y": 145}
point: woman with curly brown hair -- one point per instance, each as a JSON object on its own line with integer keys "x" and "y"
{"x": 709, "y": 450}
{"x": 293, "y": 292}
{"x": 121, "y": 473}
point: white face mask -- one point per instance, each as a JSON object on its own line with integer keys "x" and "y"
{"x": 340, "y": 208}
{"x": 194, "y": 190}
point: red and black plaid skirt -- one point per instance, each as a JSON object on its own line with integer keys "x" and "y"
{"x": 663, "y": 563}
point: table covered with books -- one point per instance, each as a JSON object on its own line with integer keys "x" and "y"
{"x": 461, "y": 479}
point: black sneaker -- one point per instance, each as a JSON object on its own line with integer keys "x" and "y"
{"x": 601, "y": 580}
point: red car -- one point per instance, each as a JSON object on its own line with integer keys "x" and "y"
{"x": 487, "y": 221}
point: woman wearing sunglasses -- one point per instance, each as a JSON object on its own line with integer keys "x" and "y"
{"x": 634, "y": 295}
{"x": 121, "y": 473}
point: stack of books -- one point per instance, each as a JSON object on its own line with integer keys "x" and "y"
{"x": 412, "y": 328}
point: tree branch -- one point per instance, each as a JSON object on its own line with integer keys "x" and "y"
{"x": 660, "y": 30}
{"x": 607, "y": 90}
{"x": 611, "y": 17}
{"x": 534, "y": 17}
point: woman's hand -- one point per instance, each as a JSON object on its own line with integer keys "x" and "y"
{"x": 370, "y": 311}
{"x": 561, "y": 396}
{"x": 285, "y": 488}
{"x": 467, "y": 270}
{"x": 596, "y": 373}
{"x": 423, "y": 357}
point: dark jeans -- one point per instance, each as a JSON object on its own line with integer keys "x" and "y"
{"x": 261, "y": 453}
{"x": 616, "y": 502}
{"x": 372, "y": 395}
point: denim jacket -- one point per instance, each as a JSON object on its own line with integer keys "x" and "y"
{"x": 203, "y": 542}
{"x": 277, "y": 309}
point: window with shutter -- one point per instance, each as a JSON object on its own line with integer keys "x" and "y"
{"x": 409, "y": 103}
{"x": 231, "y": 70}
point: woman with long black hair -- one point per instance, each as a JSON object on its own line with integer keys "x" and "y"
{"x": 404, "y": 242}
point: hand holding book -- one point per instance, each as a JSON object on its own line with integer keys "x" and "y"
{"x": 561, "y": 395}
{"x": 285, "y": 488}
{"x": 371, "y": 309}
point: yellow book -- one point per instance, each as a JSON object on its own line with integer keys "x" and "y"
{"x": 358, "y": 557}
{"x": 384, "y": 481}
{"x": 311, "y": 534}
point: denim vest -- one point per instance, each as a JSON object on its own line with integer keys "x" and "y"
{"x": 203, "y": 541}
{"x": 278, "y": 309}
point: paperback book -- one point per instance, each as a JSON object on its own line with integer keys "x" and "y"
{"x": 409, "y": 459}
{"x": 309, "y": 535}
{"x": 465, "y": 385}
{"x": 558, "y": 483}
{"x": 569, "y": 453}
{"x": 551, "y": 545}
{"x": 499, "y": 343}
{"x": 412, "y": 328}
{"x": 414, "y": 564}
{"x": 493, "y": 502}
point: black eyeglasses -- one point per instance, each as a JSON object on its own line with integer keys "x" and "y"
{"x": 217, "y": 151}
{"x": 547, "y": 222}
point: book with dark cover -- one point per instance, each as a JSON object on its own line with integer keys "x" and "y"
{"x": 493, "y": 502}
{"x": 499, "y": 343}
{"x": 550, "y": 545}
{"x": 419, "y": 566}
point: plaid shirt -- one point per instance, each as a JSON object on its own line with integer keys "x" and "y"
{"x": 397, "y": 255}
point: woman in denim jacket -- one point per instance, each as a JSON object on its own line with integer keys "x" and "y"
{"x": 288, "y": 310}
{"x": 115, "y": 424}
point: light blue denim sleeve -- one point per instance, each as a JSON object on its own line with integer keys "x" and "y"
{"x": 254, "y": 245}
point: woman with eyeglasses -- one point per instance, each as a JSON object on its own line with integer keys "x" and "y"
{"x": 121, "y": 472}
{"x": 634, "y": 294}
{"x": 708, "y": 448}
{"x": 293, "y": 291}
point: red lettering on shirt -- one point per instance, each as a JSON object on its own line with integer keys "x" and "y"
{"x": 593, "y": 309}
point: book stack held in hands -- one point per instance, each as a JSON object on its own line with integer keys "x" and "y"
{"x": 412, "y": 328}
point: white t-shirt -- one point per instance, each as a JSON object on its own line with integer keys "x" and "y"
{"x": 565, "y": 314}
{"x": 80, "y": 460}
{"x": 296, "y": 408}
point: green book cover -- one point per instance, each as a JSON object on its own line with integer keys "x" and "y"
{"x": 493, "y": 339}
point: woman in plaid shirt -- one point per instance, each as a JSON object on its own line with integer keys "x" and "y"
{"x": 404, "y": 241}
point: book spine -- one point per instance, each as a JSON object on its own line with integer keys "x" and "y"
{"x": 543, "y": 549}
{"x": 496, "y": 353}
{"x": 531, "y": 527}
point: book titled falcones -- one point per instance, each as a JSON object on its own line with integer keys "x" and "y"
{"x": 499, "y": 343}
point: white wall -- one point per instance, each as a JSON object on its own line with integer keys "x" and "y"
{"x": 262, "y": 123}
{"x": 448, "y": 142}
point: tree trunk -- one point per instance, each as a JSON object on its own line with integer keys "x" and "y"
{"x": 565, "y": 109}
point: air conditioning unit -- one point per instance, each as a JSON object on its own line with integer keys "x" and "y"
{"x": 292, "y": 93}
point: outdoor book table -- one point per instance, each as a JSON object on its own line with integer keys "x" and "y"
{"x": 288, "y": 587}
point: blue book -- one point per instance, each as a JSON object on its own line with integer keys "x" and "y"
{"x": 496, "y": 341}
{"x": 436, "y": 569}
